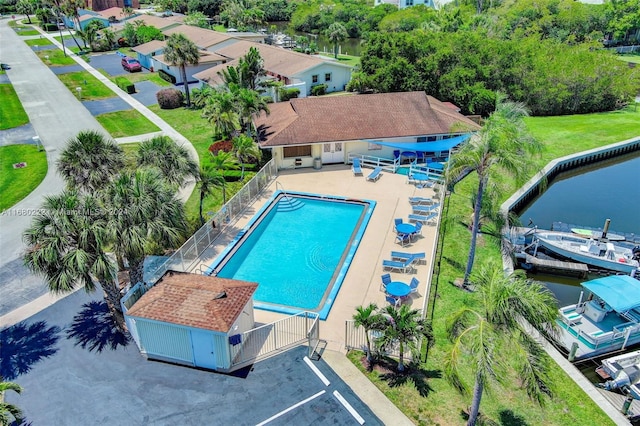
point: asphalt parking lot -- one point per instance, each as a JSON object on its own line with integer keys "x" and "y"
{"x": 66, "y": 383}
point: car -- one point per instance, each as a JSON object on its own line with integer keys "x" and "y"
{"x": 131, "y": 64}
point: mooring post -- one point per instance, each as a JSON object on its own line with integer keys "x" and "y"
{"x": 627, "y": 404}
{"x": 574, "y": 349}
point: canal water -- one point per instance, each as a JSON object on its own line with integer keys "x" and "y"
{"x": 587, "y": 197}
{"x": 350, "y": 46}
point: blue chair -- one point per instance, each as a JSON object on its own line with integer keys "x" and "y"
{"x": 403, "y": 239}
{"x": 393, "y": 301}
{"x": 396, "y": 154}
{"x": 356, "y": 168}
{"x": 386, "y": 279}
{"x": 375, "y": 174}
{"x": 414, "y": 285}
{"x": 418, "y": 230}
{"x": 396, "y": 222}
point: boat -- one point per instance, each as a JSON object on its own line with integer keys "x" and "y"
{"x": 607, "y": 320}
{"x": 621, "y": 372}
{"x": 592, "y": 233}
{"x": 598, "y": 253}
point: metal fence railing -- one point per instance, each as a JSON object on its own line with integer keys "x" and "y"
{"x": 188, "y": 255}
{"x": 273, "y": 338}
{"x": 355, "y": 338}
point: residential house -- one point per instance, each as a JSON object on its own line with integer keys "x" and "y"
{"x": 192, "y": 319}
{"x": 207, "y": 61}
{"x": 99, "y": 5}
{"x": 330, "y": 128}
{"x": 145, "y": 52}
{"x": 402, "y": 4}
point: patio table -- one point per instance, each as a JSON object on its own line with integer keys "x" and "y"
{"x": 398, "y": 289}
{"x": 405, "y": 228}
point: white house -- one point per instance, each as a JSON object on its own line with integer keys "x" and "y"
{"x": 330, "y": 128}
{"x": 406, "y": 3}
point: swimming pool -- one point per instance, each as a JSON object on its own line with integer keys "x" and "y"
{"x": 298, "y": 249}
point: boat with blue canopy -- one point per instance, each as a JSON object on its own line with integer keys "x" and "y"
{"x": 607, "y": 320}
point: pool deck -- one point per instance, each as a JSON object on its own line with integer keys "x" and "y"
{"x": 362, "y": 282}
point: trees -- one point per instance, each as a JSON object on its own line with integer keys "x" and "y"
{"x": 89, "y": 161}
{"x": 65, "y": 245}
{"x": 148, "y": 213}
{"x": 369, "y": 319}
{"x": 245, "y": 149}
{"x": 173, "y": 161}
{"x": 207, "y": 180}
{"x": 503, "y": 143}
{"x": 219, "y": 163}
{"x": 9, "y": 411}
{"x": 405, "y": 327}
{"x": 180, "y": 52}
{"x": 220, "y": 111}
{"x": 26, "y": 8}
{"x": 491, "y": 334}
{"x": 336, "y": 33}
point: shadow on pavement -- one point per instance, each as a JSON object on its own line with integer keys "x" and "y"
{"x": 94, "y": 328}
{"x": 23, "y": 345}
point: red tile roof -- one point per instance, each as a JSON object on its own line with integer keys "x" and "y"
{"x": 193, "y": 300}
{"x": 355, "y": 117}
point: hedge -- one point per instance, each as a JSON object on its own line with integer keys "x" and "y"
{"x": 125, "y": 85}
{"x": 166, "y": 76}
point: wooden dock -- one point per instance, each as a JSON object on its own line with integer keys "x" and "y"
{"x": 579, "y": 270}
{"x": 617, "y": 400}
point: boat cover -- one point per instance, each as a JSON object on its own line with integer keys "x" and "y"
{"x": 621, "y": 292}
{"x": 431, "y": 146}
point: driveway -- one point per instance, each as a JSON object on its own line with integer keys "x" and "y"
{"x": 66, "y": 384}
{"x": 111, "y": 63}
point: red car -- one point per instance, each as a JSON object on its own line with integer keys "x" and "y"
{"x": 131, "y": 65}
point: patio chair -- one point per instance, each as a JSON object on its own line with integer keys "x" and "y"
{"x": 425, "y": 209}
{"x": 400, "y": 255}
{"x": 420, "y": 200}
{"x": 397, "y": 266}
{"x": 418, "y": 230}
{"x": 403, "y": 239}
{"x": 396, "y": 222}
{"x": 386, "y": 279}
{"x": 414, "y": 285}
{"x": 356, "y": 168}
{"x": 375, "y": 174}
{"x": 423, "y": 218}
{"x": 425, "y": 184}
{"x": 393, "y": 300}
{"x": 396, "y": 154}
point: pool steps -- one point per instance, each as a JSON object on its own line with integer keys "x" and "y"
{"x": 287, "y": 204}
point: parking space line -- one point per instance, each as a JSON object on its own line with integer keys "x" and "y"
{"x": 318, "y": 372}
{"x": 293, "y": 407}
{"x": 349, "y": 408}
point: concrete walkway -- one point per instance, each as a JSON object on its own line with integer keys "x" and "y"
{"x": 56, "y": 116}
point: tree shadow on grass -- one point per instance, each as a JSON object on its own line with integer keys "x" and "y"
{"x": 23, "y": 345}
{"x": 95, "y": 329}
{"x": 418, "y": 376}
{"x": 507, "y": 418}
{"x": 453, "y": 262}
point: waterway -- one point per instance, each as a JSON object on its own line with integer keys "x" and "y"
{"x": 350, "y": 46}
{"x": 587, "y": 197}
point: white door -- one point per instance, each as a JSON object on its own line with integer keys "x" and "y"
{"x": 203, "y": 353}
{"x": 332, "y": 153}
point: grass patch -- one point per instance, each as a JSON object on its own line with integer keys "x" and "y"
{"x": 92, "y": 88}
{"x": 629, "y": 57}
{"x": 26, "y": 32}
{"x": 126, "y": 123}
{"x": 55, "y": 58}
{"x": 136, "y": 77}
{"x": 16, "y": 184}
{"x": 40, "y": 42}
{"x": 11, "y": 112}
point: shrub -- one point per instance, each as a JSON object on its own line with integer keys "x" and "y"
{"x": 319, "y": 89}
{"x": 50, "y": 27}
{"x": 125, "y": 85}
{"x": 286, "y": 94}
{"x": 166, "y": 76}
{"x": 170, "y": 98}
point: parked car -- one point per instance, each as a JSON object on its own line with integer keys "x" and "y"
{"x": 131, "y": 64}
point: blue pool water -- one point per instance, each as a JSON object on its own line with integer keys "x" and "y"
{"x": 298, "y": 249}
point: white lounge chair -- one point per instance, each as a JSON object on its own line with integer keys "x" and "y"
{"x": 356, "y": 168}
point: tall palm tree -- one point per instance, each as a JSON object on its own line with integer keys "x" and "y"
{"x": 406, "y": 328}
{"x": 251, "y": 67}
{"x": 220, "y": 110}
{"x": 219, "y": 163}
{"x": 26, "y": 8}
{"x": 503, "y": 144}
{"x": 65, "y": 245}
{"x": 206, "y": 182}
{"x": 249, "y": 104}
{"x": 89, "y": 161}
{"x": 174, "y": 161}
{"x": 336, "y": 33}
{"x": 492, "y": 334}
{"x": 180, "y": 52}
{"x": 368, "y": 318}
{"x": 245, "y": 149}
{"x": 9, "y": 413}
{"x": 145, "y": 211}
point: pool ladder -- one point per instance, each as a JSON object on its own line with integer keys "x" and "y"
{"x": 287, "y": 203}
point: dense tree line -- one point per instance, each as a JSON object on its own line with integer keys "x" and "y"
{"x": 469, "y": 67}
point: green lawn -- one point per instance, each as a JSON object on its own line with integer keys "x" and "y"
{"x": 11, "y": 112}
{"x": 630, "y": 57}
{"x": 40, "y": 42}
{"x": 92, "y": 88}
{"x": 136, "y": 77}
{"x": 425, "y": 396}
{"x": 126, "y": 123}
{"x": 55, "y": 58}
{"x": 26, "y": 32}
{"x": 15, "y": 184}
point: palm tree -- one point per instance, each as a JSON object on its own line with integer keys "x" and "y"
{"x": 90, "y": 161}
{"x": 406, "y": 328}
{"x": 145, "y": 211}
{"x": 504, "y": 144}
{"x": 206, "y": 182}
{"x": 219, "y": 163}
{"x": 249, "y": 104}
{"x": 9, "y": 411}
{"x": 245, "y": 149}
{"x": 180, "y": 52}
{"x": 336, "y": 33}
{"x": 480, "y": 336}
{"x": 174, "y": 161}
{"x": 25, "y": 7}
{"x": 251, "y": 67}
{"x": 221, "y": 112}
{"x": 368, "y": 318}
{"x": 65, "y": 245}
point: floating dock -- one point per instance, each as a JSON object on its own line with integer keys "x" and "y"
{"x": 579, "y": 270}
{"x": 618, "y": 401}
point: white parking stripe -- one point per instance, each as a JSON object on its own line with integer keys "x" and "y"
{"x": 315, "y": 370}
{"x": 293, "y": 407}
{"x": 349, "y": 408}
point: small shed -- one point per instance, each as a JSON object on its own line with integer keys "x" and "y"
{"x": 193, "y": 319}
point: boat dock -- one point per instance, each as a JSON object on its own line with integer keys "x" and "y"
{"x": 618, "y": 401}
{"x": 550, "y": 266}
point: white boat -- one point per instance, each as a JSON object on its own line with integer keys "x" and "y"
{"x": 607, "y": 320}
{"x": 599, "y": 253}
{"x": 621, "y": 371}
{"x": 590, "y": 233}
